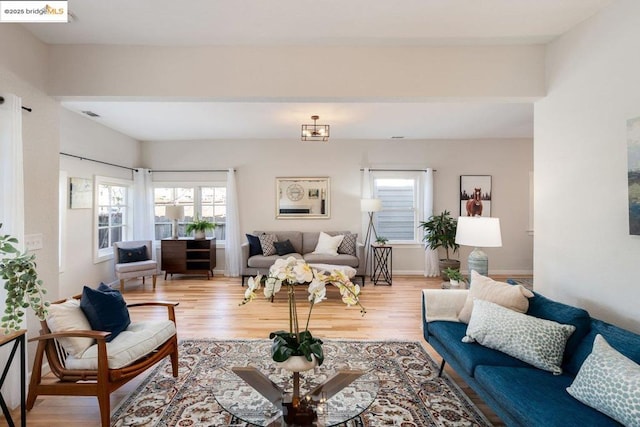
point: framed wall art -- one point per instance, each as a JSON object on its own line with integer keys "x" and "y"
{"x": 633, "y": 174}
{"x": 302, "y": 197}
{"x": 475, "y": 195}
{"x": 80, "y": 193}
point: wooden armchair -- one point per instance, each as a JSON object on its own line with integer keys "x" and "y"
{"x": 104, "y": 378}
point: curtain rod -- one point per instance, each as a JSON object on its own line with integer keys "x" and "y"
{"x": 194, "y": 170}
{"x": 23, "y": 107}
{"x": 397, "y": 170}
{"x": 99, "y": 161}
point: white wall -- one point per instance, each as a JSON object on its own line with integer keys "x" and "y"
{"x": 584, "y": 254}
{"x": 259, "y": 162}
{"x": 86, "y": 138}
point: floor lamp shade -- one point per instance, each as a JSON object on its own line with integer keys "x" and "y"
{"x": 370, "y": 205}
{"x": 174, "y": 213}
{"x": 478, "y": 232}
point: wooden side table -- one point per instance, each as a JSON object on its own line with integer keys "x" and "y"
{"x": 381, "y": 264}
{"x": 18, "y": 340}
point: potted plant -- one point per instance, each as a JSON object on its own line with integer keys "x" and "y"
{"x": 440, "y": 231}
{"x": 456, "y": 279}
{"x": 381, "y": 240}
{"x": 23, "y": 287}
{"x": 199, "y": 227}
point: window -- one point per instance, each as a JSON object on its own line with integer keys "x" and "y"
{"x": 208, "y": 201}
{"x": 113, "y": 215}
{"x": 398, "y": 219}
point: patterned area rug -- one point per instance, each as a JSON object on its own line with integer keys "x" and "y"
{"x": 410, "y": 393}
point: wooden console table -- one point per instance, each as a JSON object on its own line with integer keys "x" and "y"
{"x": 18, "y": 340}
{"x": 188, "y": 256}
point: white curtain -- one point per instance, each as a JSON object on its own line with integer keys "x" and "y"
{"x": 431, "y": 268}
{"x": 11, "y": 213}
{"x": 143, "y": 215}
{"x": 232, "y": 254}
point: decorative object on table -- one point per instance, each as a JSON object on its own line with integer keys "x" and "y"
{"x": 24, "y": 289}
{"x": 370, "y": 206}
{"x": 175, "y": 213}
{"x": 381, "y": 240}
{"x": 456, "y": 280}
{"x": 199, "y": 227}
{"x": 403, "y": 368}
{"x": 478, "y": 232}
{"x": 633, "y": 174}
{"x": 80, "y": 193}
{"x": 440, "y": 231}
{"x": 294, "y": 342}
{"x": 475, "y": 195}
{"x": 315, "y": 132}
{"x": 301, "y": 197}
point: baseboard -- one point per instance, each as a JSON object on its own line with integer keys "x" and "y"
{"x": 466, "y": 272}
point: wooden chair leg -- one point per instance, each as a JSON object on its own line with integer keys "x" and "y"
{"x": 36, "y": 375}
{"x": 154, "y": 281}
{"x": 143, "y": 280}
{"x": 105, "y": 406}
{"x": 174, "y": 357}
{"x": 122, "y": 286}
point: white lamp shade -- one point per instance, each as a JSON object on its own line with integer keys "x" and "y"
{"x": 370, "y": 205}
{"x": 174, "y": 212}
{"x": 479, "y": 231}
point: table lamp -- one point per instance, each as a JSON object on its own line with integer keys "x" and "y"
{"x": 174, "y": 213}
{"x": 479, "y": 232}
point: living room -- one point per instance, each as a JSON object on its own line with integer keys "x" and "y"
{"x": 580, "y": 85}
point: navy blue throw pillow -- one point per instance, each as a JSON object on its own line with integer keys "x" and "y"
{"x": 105, "y": 309}
{"x": 132, "y": 254}
{"x": 283, "y": 248}
{"x": 255, "y": 248}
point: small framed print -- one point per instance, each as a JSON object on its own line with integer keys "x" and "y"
{"x": 80, "y": 193}
{"x": 475, "y": 195}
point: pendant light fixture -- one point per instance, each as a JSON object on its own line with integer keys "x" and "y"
{"x": 315, "y": 132}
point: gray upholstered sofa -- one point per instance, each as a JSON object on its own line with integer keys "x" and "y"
{"x": 304, "y": 243}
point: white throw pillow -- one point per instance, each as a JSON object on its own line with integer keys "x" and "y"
{"x": 609, "y": 382}
{"x": 539, "y": 342}
{"x": 515, "y": 297}
{"x": 68, "y": 316}
{"x": 328, "y": 245}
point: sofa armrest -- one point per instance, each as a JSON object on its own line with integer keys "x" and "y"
{"x": 443, "y": 304}
{"x": 244, "y": 248}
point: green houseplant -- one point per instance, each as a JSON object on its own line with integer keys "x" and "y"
{"x": 381, "y": 240}
{"x": 199, "y": 227}
{"x": 24, "y": 289}
{"x": 455, "y": 277}
{"x": 440, "y": 231}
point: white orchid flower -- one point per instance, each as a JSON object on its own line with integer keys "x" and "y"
{"x": 317, "y": 291}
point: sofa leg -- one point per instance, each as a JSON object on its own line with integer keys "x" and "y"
{"x": 441, "y": 367}
{"x": 122, "y": 286}
{"x": 362, "y": 278}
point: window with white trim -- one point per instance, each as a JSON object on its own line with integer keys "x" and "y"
{"x": 113, "y": 215}
{"x": 398, "y": 219}
{"x": 208, "y": 201}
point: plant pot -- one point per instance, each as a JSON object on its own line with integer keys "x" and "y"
{"x": 199, "y": 234}
{"x": 298, "y": 363}
{"x": 448, "y": 263}
{"x": 454, "y": 284}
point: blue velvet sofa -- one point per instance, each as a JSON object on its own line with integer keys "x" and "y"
{"x": 520, "y": 394}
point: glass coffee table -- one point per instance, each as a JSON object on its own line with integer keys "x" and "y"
{"x": 333, "y": 404}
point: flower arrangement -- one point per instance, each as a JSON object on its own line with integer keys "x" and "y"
{"x": 289, "y": 272}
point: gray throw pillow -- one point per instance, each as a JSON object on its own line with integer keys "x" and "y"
{"x": 348, "y": 245}
{"x": 267, "y": 241}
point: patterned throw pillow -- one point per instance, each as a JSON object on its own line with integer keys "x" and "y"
{"x": 267, "y": 241}
{"x": 348, "y": 245}
{"x": 609, "y": 382}
{"x": 538, "y": 342}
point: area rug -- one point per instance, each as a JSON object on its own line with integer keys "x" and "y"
{"x": 410, "y": 393}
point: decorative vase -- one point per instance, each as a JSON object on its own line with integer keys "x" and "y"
{"x": 454, "y": 283}
{"x": 199, "y": 234}
{"x": 298, "y": 363}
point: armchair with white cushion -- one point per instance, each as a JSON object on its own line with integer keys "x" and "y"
{"x": 132, "y": 261}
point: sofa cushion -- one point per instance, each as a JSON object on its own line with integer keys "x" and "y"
{"x": 536, "y": 341}
{"x": 266, "y": 262}
{"x": 254, "y": 245}
{"x": 132, "y": 254}
{"x": 538, "y": 398}
{"x": 138, "y": 340}
{"x": 469, "y": 355}
{"x": 68, "y": 316}
{"x": 545, "y": 308}
{"x": 294, "y": 236}
{"x": 136, "y": 266}
{"x": 267, "y": 244}
{"x": 105, "y": 309}
{"x": 284, "y": 248}
{"x": 339, "y": 259}
{"x": 484, "y": 288}
{"x": 610, "y": 383}
{"x": 328, "y": 245}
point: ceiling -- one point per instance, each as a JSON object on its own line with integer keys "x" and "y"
{"x": 314, "y": 23}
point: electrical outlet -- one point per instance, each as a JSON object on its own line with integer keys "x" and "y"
{"x": 33, "y": 242}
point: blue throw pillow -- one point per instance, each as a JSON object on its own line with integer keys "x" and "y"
{"x": 105, "y": 309}
{"x": 254, "y": 245}
{"x": 132, "y": 254}
{"x": 283, "y": 248}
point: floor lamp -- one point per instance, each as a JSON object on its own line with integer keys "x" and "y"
{"x": 174, "y": 213}
{"x": 370, "y": 206}
{"x": 479, "y": 232}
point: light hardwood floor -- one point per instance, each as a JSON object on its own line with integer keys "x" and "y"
{"x": 210, "y": 309}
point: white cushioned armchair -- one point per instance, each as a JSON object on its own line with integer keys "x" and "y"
{"x": 131, "y": 270}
